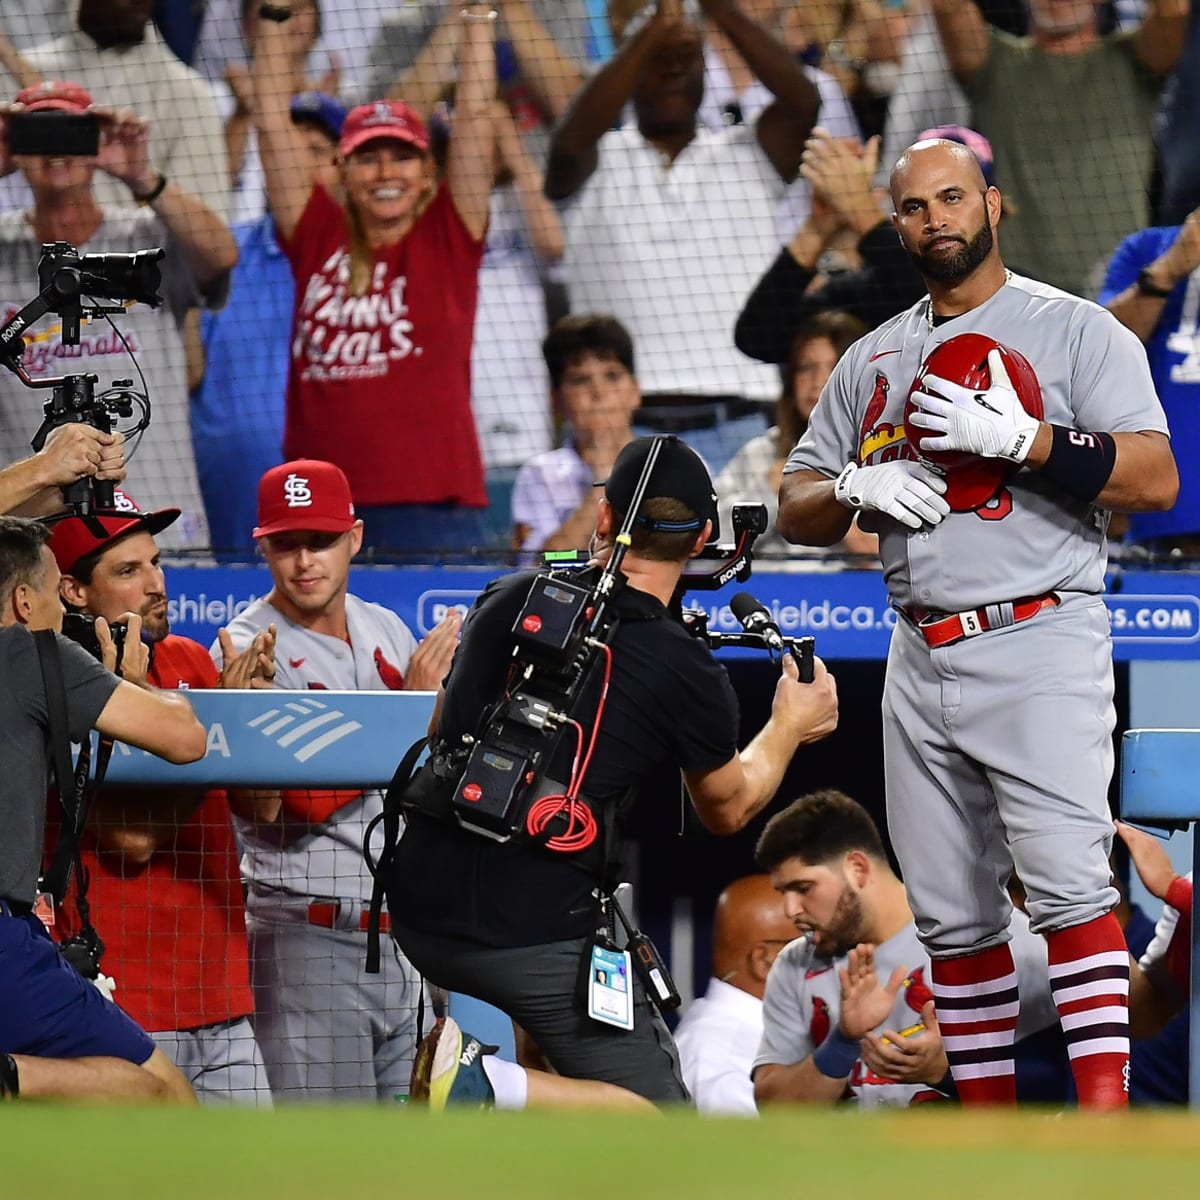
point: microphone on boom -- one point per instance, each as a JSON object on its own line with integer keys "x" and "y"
{"x": 754, "y": 618}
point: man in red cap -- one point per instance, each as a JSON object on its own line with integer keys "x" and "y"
{"x": 335, "y": 1033}
{"x": 71, "y": 453}
{"x": 157, "y": 210}
{"x": 163, "y": 863}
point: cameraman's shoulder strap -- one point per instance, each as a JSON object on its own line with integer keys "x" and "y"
{"x": 390, "y": 816}
{"x": 58, "y": 877}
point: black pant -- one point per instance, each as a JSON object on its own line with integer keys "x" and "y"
{"x": 537, "y": 987}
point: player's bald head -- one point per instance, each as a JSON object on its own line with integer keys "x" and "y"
{"x": 748, "y": 911}
{"x": 935, "y": 161}
{"x": 944, "y": 211}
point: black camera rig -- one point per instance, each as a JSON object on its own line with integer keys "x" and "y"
{"x": 561, "y": 636}
{"x": 497, "y": 782}
{"x": 561, "y": 644}
{"x": 70, "y": 284}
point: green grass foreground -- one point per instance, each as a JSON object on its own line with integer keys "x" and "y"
{"x": 360, "y": 1153}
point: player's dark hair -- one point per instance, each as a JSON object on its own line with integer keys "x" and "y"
{"x": 656, "y": 544}
{"x": 21, "y": 543}
{"x": 818, "y": 828}
{"x": 581, "y": 334}
{"x": 841, "y": 330}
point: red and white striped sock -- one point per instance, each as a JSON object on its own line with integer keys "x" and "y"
{"x": 1089, "y": 979}
{"x": 977, "y": 1005}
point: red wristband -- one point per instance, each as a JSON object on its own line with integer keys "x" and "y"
{"x": 1179, "y": 894}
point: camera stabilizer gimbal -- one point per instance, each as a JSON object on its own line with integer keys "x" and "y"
{"x": 69, "y": 284}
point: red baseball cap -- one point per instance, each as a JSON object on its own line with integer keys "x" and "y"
{"x": 73, "y": 540}
{"x": 305, "y": 494}
{"x": 66, "y": 97}
{"x": 383, "y": 119}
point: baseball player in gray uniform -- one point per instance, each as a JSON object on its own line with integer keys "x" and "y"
{"x": 848, "y": 1010}
{"x": 804, "y": 1002}
{"x": 326, "y": 1029}
{"x": 998, "y": 698}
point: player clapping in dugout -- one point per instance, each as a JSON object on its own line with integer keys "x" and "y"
{"x": 332, "y": 1033}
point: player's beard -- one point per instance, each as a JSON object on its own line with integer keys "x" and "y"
{"x": 155, "y": 622}
{"x": 956, "y": 266}
{"x": 845, "y": 929}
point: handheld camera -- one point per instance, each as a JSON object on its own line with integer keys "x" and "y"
{"x": 81, "y": 629}
{"x": 70, "y": 285}
{"x": 561, "y": 638}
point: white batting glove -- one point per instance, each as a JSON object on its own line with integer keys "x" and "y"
{"x": 993, "y": 424}
{"x": 906, "y": 491}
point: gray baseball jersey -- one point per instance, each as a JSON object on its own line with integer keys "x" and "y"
{"x": 298, "y": 857}
{"x": 802, "y": 1005}
{"x": 1093, "y": 375}
{"x": 326, "y": 1029}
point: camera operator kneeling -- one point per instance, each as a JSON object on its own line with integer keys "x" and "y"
{"x": 516, "y": 924}
{"x": 47, "y": 1010}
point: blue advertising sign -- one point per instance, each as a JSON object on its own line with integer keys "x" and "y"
{"x": 1155, "y": 615}
{"x": 320, "y": 739}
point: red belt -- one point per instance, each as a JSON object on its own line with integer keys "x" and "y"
{"x": 326, "y": 912}
{"x": 945, "y": 630}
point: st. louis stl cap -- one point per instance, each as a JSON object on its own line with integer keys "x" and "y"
{"x": 304, "y": 494}
{"x": 74, "y": 538}
{"x": 383, "y": 119}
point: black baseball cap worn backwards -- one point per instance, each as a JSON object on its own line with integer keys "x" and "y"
{"x": 679, "y": 474}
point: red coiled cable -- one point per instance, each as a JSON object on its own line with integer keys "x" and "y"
{"x": 581, "y": 828}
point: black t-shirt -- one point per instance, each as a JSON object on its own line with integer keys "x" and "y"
{"x": 669, "y": 702}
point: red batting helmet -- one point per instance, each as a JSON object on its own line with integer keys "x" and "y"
{"x": 971, "y": 481}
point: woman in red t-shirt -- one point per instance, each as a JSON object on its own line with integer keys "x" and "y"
{"x": 386, "y": 282}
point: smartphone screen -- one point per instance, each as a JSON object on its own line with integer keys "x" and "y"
{"x": 54, "y": 134}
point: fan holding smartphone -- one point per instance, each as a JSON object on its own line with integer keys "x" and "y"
{"x": 54, "y": 132}
{"x": 59, "y": 121}
{"x": 63, "y": 144}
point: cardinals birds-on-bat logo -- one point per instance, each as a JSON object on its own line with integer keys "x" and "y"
{"x": 917, "y": 992}
{"x": 875, "y": 406}
{"x": 392, "y": 678}
{"x": 820, "y": 1025}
